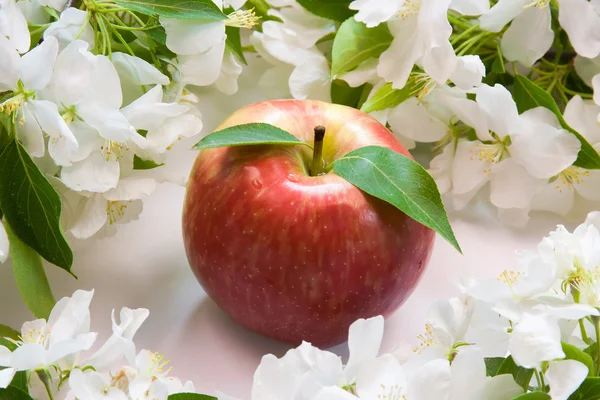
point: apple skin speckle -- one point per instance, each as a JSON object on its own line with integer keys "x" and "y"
{"x": 303, "y": 258}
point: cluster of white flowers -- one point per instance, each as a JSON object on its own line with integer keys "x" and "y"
{"x": 532, "y": 330}
{"x": 48, "y": 353}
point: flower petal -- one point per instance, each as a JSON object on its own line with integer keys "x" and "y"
{"x": 332, "y": 393}
{"x": 432, "y": 381}
{"x": 528, "y": 37}
{"x": 581, "y": 115}
{"x": 131, "y": 188}
{"x": 588, "y": 186}
{"x": 105, "y": 92}
{"x": 111, "y": 124}
{"x": 564, "y": 377}
{"x": 381, "y": 378}
{"x": 13, "y": 26}
{"x": 411, "y": 119}
{"x": 188, "y": 37}
{"x": 28, "y": 356}
{"x": 92, "y": 218}
{"x": 137, "y": 70}
{"x": 582, "y": 24}
{"x": 9, "y": 67}
{"x": 469, "y": 173}
{"x": 35, "y": 67}
{"x": 231, "y": 69}
{"x": 4, "y": 245}
{"x": 149, "y": 112}
{"x": 469, "y": 112}
{"x": 555, "y": 198}
{"x": 374, "y": 12}
{"x": 30, "y": 133}
{"x": 535, "y": 339}
{"x": 171, "y": 130}
{"x": 501, "y": 14}
{"x": 468, "y": 374}
{"x": 470, "y": 7}
{"x": 586, "y": 68}
{"x": 311, "y": 80}
{"x": 365, "y": 72}
{"x": 69, "y": 26}
{"x": 396, "y": 63}
{"x": 6, "y": 377}
{"x": 501, "y": 110}
{"x": 94, "y": 174}
{"x": 73, "y": 70}
{"x": 501, "y": 387}
{"x": 468, "y": 72}
{"x": 364, "y": 341}
{"x": 203, "y": 69}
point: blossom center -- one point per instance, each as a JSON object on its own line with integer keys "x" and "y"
{"x": 421, "y": 85}
{"x": 569, "y": 177}
{"x": 35, "y": 336}
{"x": 115, "y": 209}
{"x": 242, "y": 19}
{"x": 69, "y": 115}
{"x": 157, "y": 365}
{"x": 425, "y": 339}
{"x": 538, "y": 4}
{"x": 492, "y": 153}
{"x": 394, "y": 392}
{"x": 112, "y": 148}
{"x": 410, "y": 7}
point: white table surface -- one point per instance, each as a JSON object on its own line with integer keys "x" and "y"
{"x": 145, "y": 265}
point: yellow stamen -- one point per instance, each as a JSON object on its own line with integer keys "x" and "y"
{"x": 242, "y": 19}
{"x": 115, "y": 209}
{"x": 410, "y": 7}
{"x": 569, "y": 177}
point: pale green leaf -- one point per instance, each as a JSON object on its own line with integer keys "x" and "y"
{"x": 176, "y": 9}
{"x": 8, "y": 332}
{"x": 14, "y": 393}
{"x": 355, "y": 43}
{"x": 386, "y": 97}
{"x": 574, "y": 353}
{"x": 191, "y": 396}
{"x": 400, "y": 181}
{"x": 336, "y": 10}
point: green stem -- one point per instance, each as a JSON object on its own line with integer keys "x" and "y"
{"x": 316, "y": 167}
{"x": 43, "y": 375}
{"x": 463, "y": 34}
{"x": 121, "y": 39}
{"x": 596, "y": 321}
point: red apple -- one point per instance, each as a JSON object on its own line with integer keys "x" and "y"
{"x": 293, "y": 256}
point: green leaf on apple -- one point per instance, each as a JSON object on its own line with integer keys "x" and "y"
{"x": 386, "y": 97}
{"x": 336, "y": 10}
{"x": 400, "y": 181}
{"x": 521, "y": 375}
{"x": 247, "y": 134}
{"x": 30, "y": 276}
{"x": 355, "y": 43}
{"x": 191, "y": 396}
{"x": 528, "y": 95}
{"x": 176, "y": 9}
{"x": 32, "y": 206}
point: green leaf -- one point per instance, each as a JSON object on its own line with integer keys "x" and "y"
{"x": 157, "y": 41}
{"x": 528, "y": 95}
{"x": 176, "y": 9}
{"x": 355, "y": 43}
{"x": 234, "y": 43}
{"x": 533, "y": 396}
{"x": 140, "y": 163}
{"x": 588, "y": 390}
{"x": 492, "y": 365}
{"x": 8, "y": 332}
{"x": 522, "y": 375}
{"x": 247, "y": 134}
{"x": 20, "y": 381}
{"x": 336, "y": 10}
{"x": 386, "y": 97}
{"x": 8, "y": 344}
{"x": 30, "y": 276}
{"x": 344, "y": 94}
{"x": 574, "y": 353}
{"x": 191, "y": 396}
{"x": 400, "y": 181}
{"x": 32, "y": 207}
{"x": 14, "y": 393}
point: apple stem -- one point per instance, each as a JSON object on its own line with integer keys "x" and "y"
{"x": 316, "y": 168}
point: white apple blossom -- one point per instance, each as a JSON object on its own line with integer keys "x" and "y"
{"x": 558, "y": 194}
{"x": 25, "y": 76}
{"x": 51, "y": 342}
{"x": 530, "y": 34}
{"x": 510, "y": 152}
{"x": 72, "y": 25}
